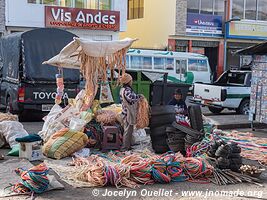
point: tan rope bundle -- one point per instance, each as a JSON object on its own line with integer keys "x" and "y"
{"x": 91, "y": 170}
{"x": 8, "y": 117}
{"x": 94, "y": 69}
{"x": 143, "y": 114}
{"x": 106, "y": 116}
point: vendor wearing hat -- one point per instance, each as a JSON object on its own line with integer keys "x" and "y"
{"x": 129, "y": 101}
{"x": 178, "y": 102}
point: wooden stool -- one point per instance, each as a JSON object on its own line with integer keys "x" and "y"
{"x": 111, "y": 139}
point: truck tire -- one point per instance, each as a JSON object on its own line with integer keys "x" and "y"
{"x": 160, "y": 149}
{"x": 161, "y": 115}
{"x": 215, "y": 110}
{"x": 243, "y": 107}
{"x": 158, "y": 133}
{"x": 195, "y": 116}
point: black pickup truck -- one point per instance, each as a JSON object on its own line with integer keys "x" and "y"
{"x": 26, "y": 84}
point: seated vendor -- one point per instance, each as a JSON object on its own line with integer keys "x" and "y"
{"x": 178, "y": 102}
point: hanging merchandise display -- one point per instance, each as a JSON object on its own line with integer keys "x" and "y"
{"x": 94, "y": 59}
{"x": 143, "y": 113}
{"x": 60, "y": 86}
{"x": 105, "y": 94}
{"x": 258, "y": 97}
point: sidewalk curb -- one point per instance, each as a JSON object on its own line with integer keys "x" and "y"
{"x": 238, "y": 126}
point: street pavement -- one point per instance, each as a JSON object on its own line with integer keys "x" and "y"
{"x": 183, "y": 190}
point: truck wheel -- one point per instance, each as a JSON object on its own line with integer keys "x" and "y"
{"x": 215, "y": 110}
{"x": 244, "y": 107}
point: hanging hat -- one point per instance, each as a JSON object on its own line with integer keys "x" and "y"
{"x": 126, "y": 78}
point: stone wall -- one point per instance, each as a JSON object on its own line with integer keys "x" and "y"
{"x": 181, "y": 10}
{"x": 2, "y": 16}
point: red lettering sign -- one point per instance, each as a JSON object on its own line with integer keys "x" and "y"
{"x": 82, "y": 18}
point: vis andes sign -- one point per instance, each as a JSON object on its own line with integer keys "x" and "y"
{"x": 64, "y": 17}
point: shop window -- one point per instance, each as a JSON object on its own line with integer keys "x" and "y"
{"x": 135, "y": 9}
{"x": 206, "y": 7}
{"x": 159, "y": 63}
{"x": 93, "y": 4}
{"x": 262, "y": 10}
{"x": 90, "y": 4}
{"x": 68, "y": 3}
{"x": 251, "y": 9}
{"x": 181, "y": 48}
{"x": 105, "y": 4}
{"x": 193, "y": 6}
{"x": 50, "y": 2}
{"x": 80, "y": 4}
{"x": 238, "y": 8}
{"x": 219, "y": 7}
{"x": 169, "y": 64}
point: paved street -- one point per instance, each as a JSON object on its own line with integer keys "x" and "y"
{"x": 177, "y": 189}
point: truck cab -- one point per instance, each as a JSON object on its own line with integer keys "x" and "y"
{"x": 231, "y": 91}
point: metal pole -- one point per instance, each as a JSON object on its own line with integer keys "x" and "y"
{"x": 225, "y": 38}
{"x": 225, "y": 48}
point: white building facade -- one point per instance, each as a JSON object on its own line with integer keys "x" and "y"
{"x": 94, "y": 19}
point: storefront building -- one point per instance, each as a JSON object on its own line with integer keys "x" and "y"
{"x": 95, "y": 19}
{"x": 246, "y": 25}
{"x": 199, "y": 26}
{"x": 2, "y": 17}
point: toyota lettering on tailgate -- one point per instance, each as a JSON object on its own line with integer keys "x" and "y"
{"x": 47, "y": 95}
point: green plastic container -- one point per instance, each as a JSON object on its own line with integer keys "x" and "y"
{"x": 141, "y": 85}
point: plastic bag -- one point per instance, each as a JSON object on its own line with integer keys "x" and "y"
{"x": 77, "y": 124}
{"x": 105, "y": 94}
{"x": 56, "y": 109}
{"x": 139, "y": 136}
{"x": 14, "y": 151}
{"x": 61, "y": 120}
{"x": 12, "y": 130}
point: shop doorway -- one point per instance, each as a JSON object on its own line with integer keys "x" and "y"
{"x": 212, "y": 54}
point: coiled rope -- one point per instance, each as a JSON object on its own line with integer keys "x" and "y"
{"x": 34, "y": 180}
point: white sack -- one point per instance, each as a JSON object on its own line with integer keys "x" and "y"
{"x": 12, "y": 130}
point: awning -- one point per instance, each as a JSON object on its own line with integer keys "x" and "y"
{"x": 258, "y": 49}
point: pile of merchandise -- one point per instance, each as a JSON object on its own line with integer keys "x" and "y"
{"x": 227, "y": 156}
{"x": 253, "y": 148}
{"x": 192, "y": 136}
{"x": 140, "y": 168}
{"x": 79, "y": 129}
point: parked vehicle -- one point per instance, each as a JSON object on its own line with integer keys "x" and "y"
{"x": 26, "y": 84}
{"x": 231, "y": 90}
{"x": 180, "y": 66}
